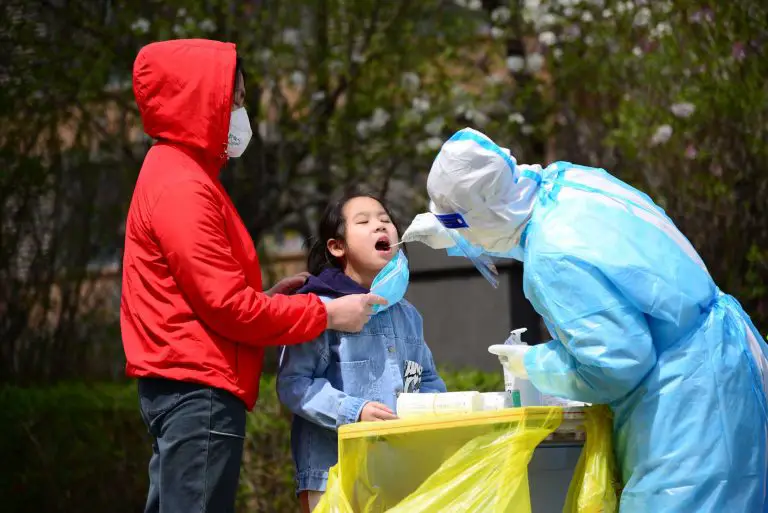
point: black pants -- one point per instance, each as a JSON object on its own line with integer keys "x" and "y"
{"x": 198, "y": 434}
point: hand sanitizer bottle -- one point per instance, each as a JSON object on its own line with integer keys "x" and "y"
{"x": 510, "y": 381}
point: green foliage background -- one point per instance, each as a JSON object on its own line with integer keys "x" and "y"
{"x": 74, "y": 447}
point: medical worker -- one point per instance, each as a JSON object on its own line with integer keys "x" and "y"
{"x": 637, "y": 321}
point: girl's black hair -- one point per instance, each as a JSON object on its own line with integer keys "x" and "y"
{"x": 239, "y": 68}
{"x": 332, "y": 226}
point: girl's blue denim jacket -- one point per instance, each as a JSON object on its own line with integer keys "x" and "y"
{"x": 326, "y": 382}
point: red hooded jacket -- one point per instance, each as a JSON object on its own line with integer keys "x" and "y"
{"x": 192, "y": 304}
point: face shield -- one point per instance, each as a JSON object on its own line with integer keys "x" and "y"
{"x": 463, "y": 247}
{"x": 481, "y": 198}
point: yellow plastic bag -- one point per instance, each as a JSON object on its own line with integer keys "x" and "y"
{"x": 458, "y": 463}
{"x": 463, "y": 463}
{"x": 594, "y": 487}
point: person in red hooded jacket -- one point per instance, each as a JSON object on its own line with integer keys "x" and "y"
{"x": 194, "y": 317}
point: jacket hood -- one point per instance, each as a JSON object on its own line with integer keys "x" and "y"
{"x": 184, "y": 91}
{"x": 332, "y": 283}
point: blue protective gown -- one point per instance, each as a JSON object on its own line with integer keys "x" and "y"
{"x": 638, "y": 324}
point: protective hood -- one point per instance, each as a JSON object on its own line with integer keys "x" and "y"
{"x": 184, "y": 92}
{"x": 477, "y": 187}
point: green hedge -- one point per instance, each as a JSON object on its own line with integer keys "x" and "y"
{"x": 83, "y": 448}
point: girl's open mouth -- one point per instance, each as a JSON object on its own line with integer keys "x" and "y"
{"x": 383, "y": 245}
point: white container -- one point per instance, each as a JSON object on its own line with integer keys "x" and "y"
{"x": 414, "y": 405}
{"x": 494, "y": 401}
{"x": 458, "y": 402}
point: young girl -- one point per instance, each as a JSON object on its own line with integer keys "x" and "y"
{"x": 343, "y": 377}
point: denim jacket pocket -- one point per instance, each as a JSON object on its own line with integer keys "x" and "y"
{"x": 358, "y": 380}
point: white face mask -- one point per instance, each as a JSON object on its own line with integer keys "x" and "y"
{"x": 239, "y": 133}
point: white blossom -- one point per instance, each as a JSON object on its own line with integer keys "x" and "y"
{"x": 664, "y": 6}
{"x": 435, "y": 126}
{"x": 515, "y": 63}
{"x": 621, "y": 8}
{"x": 207, "y": 25}
{"x": 380, "y": 118}
{"x": 358, "y": 57}
{"x": 527, "y": 129}
{"x": 410, "y": 81}
{"x": 548, "y": 20}
{"x": 429, "y": 145}
{"x": 291, "y": 37}
{"x": 516, "y": 118}
{"x": 140, "y": 26}
{"x": 532, "y": 4}
{"x": 661, "y": 135}
{"x": 477, "y": 117}
{"x": 637, "y": 51}
{"x": 363, "y": 128}
{"x": 318, "y": 96}
{"x": 420, "y": 104}
{"x": 535, "y": 62}
{"x": 547, "y": 38}
{"x": 497, "y": 33}
{"x": 661, "y": 29}
{"x": 501, "y": 15}
{"x": 434, "y": 143}
{"x": 607, "y": 13}
{"x": 298, "y": 78}
{"x": 586, "y": 17}
{"x": 683, "y": 110}
{"x": 557, "y": 53}
{"x": 642, "y": 18}
{"x": 475, "y": 5}
{"x": 494, "y": 79}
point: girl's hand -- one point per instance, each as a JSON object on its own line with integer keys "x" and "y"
{"x": 374, "y": 412}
